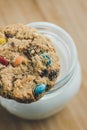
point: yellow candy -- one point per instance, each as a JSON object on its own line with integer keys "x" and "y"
{"x": 2, "y": 40}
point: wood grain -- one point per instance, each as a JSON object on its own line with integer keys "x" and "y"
{"x": 72, "y": 16}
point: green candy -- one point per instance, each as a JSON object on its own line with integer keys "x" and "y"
{"x": 47, "y": 58}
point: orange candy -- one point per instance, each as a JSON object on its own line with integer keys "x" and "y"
{"x": 17, "y": 61}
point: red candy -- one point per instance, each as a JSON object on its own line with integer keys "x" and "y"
{"x": 4, "y": 61}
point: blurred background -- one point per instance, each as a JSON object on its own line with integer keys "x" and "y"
{"x": 72, "y": 16}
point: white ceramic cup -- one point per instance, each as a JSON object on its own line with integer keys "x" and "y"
{"x": 67, "y": 85}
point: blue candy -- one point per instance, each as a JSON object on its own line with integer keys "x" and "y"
{"x": 40, "y": 88}
{"x": 47, "y": 59}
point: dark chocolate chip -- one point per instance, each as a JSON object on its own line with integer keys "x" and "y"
{"x": 23, "y": 74}
{"x": 52, "y": 75}
{"x": 1, "y": 86}
{"x": 35, "y": 81}
{"x": 4, "y": 94}
{"x": 0, "y": 77}
{"x": 13, "y": 44}
{"x": 8, "y": 35}
{"x": 14, "y": 79}
{"x": 48, "y": 87}
{"x": 44, "y": 73}
{"x": 27, "y": 53}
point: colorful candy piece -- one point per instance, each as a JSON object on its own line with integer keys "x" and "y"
{"x": 4, "y": 61}
{"x": 40, "y": 88}
{"x": 18, "y": 60}
{"x": 47, "y": 58}
{"x": 2, "y": 40}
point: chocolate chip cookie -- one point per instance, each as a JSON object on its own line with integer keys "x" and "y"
{"x": 29, "y": 64}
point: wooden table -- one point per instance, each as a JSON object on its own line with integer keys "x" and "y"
{"x": 72, "y": 16}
